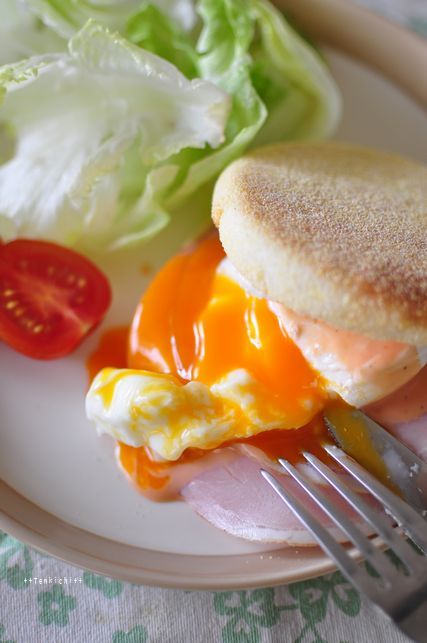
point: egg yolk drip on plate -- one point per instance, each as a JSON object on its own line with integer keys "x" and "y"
{"x": 208, "y": 363}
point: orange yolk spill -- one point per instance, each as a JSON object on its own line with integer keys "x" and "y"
{"x": 354, "y": 438}
{"x": 111, "y": 351}
{"x": 147, "y": 473}
{"x": 197, "y": 324}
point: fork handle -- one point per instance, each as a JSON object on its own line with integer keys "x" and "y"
{"x": 414, "y": 622}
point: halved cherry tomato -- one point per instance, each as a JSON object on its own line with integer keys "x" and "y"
{"x": 50, "y": 298}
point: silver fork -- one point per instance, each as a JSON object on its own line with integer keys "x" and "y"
{"x": 400, "y": 592}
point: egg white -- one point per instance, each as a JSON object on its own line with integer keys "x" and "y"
{"x": 140, "y": 408}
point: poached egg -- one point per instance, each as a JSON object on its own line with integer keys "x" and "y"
{"x": 210, "y": 361}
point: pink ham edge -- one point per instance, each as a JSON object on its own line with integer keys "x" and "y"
{"x": 234, "y": 498}
{"x": 414, "y": 435}
{"x": 237, "y": 500}
{"x": 404, "y": 414}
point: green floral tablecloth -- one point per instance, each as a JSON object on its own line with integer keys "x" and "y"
{"x": 44, "y": 600}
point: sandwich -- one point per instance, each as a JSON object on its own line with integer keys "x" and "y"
{"x": 309, "y": 299}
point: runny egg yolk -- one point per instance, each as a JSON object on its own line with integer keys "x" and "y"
{"x": 198, "y": 324}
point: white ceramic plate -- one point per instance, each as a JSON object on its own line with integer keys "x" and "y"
{"x": 61, "y": 490}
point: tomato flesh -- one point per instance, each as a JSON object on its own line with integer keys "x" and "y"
{"x": 50, "y": 298}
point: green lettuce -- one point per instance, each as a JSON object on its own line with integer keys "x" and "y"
{"x": 153, "y": 30}
{"x": 105, "y": 138}
{"x": 94, "y": 129}
{"x": 292, "y": 80}
{"x": 22, "y": 34}
{"x": 66, "y": 17}
{"x": 224, "y": 59}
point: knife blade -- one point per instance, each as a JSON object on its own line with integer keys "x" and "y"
{"x": 381, "y": 454}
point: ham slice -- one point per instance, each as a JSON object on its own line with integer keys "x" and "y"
{"x": 413, "y": 434}
{"x": 236, "y": 499}
{"x": 404, "y": 414}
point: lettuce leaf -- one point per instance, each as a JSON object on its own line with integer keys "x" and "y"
{"x": 151, "y": 29}
{"x": 224, "y": 59}
{"x": 23, "y": 35}
{"x": 292, "y": 80}
{"x": 101, "y": 143}
{"x": 90, "y": 125}
{"x": 66, "y": 17}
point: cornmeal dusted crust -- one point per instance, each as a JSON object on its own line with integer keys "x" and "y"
{"x": 334, "y": 231}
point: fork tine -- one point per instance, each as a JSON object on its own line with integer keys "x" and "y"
{"x": 376, "y": 519}
{"x": 410, "y": 521}
{"x": 331, "y": 547}
{"x": 369, "y": 551}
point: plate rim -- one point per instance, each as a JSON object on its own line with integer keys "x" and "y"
{"x": 392, "y": 62}
{"x": 216, "y": 576}
{"x": 368, "y": 37}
